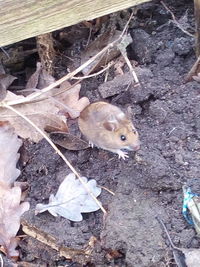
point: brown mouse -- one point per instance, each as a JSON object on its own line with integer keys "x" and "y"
{"x": 108, "y": 127}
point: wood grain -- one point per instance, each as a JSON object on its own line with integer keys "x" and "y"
{"x": 197, "y": 20}
{"x": 22, "y": 19}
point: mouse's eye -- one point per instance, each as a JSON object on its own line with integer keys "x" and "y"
{"x": 123, "y": 137}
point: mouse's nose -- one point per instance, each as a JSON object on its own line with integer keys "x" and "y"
{"x": 136, "y": 146}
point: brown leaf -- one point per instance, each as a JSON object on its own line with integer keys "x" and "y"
{"x": 61, "y": 127}
{"x": 9, "y": 144}
{"x": 34, "y": 78}
{"x": 49, "y": 113}
{"x": 39, "y": 79}
{"x": 96, "y": 46}
{"x": 197, "y": 77}
{"x": 42, "y": 113}
{"x": 10, "y": 197}
{"x": 70, "y": 99}
{"x": 68, "y": 141}
{"x": 5, "y": 82}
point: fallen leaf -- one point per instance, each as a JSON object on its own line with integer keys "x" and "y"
{"x": 10, "y": 213}
{"x": 49, "y": 113}
{"x": 68, "y": 141}
{"x": 96, "y": 46}
{"x": 61, "y": 127}
{"x": 9, "y": 144}
{"x": 34, "y": 78}
{"x": 197, "y": 77}
{"x": 119, "y": 64}
{"x": 72, "y": 199}
{"x": 10, "y": 197}
{"x": 5, "y": 82}
{"x": 70, "y": 98}
{"x": 42, "y": 113}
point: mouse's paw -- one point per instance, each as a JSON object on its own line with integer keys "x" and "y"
{"x": 122, "y": 154}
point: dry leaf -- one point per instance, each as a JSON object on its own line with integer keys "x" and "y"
{"x": 70, "y": 99}
{"x": 96, "y": 46}
{"x": 42, "y": 113}
{"x": 46, "y": 113}
{"x": 68, "y": 141}
{"x": 10, "y": 213}
{"x": 10, "y": 197}
{"x": 34, "y": 78}
{"x": 57, "y": 128}
{"x": 197, "y": 77}
{"x": 5, "y": 82}
{"x": 72, "y": 199}
{"x": 9, "y": 144}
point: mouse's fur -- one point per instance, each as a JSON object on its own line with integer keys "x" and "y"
{"x": 104, "y": 125}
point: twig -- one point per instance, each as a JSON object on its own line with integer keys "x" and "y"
{"x": 193, "y": 70}
{"x": 71, "y": 74}
{"x": 130, "y": 67}
{"x": 94, "y": 74}
{"x": 58, "y": 152}
{"x": 175, "y": 20}
{"x": 1, "y": 260}
{"x": 167, "y": 233}
{"x": 5, "y": 52}
{"x": 105, "y": 188}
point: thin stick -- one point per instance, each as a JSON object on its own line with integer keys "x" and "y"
{"x": 71, "y": 74}
{"x": 167, "y": 233}
{"x": 175, "y": 21}
{"x": 94, "y": 74}
{"x": 106, "y": 189}
{"x": 1, "y": 260}
{"x": 130, "y": 67}
{"x": 193, "y": 70}
{"x": 58, "y": 152}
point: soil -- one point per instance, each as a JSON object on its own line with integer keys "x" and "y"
{"x": 166, "y": 112}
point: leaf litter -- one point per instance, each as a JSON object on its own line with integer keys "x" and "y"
{"x": 11, "y": 207}
{"x": 51, "y": 112}
{"x": 72, "y": 199}
{"x": 55, "y": 109}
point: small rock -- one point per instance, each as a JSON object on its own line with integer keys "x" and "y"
{"x": 142, "y": 46}
{"x": 118, "y": 85}
{"x": 182, "y": 46}
{"x": 164, "y": 59}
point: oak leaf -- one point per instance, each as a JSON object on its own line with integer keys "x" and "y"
{"x": 72, "y": 199}
{"x": 10, "y": 196}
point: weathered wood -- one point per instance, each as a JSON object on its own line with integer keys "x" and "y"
{"x": 21, "y": 19}
{"x": 197, "y": 19}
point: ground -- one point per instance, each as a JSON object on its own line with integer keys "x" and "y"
{"x": 166, "y": 112}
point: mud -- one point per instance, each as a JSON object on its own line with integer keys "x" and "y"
{"x": 166, "y": 112}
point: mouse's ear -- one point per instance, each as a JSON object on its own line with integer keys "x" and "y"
{"x": 111, "y": 124}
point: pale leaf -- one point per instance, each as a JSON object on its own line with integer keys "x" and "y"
{"x": 70, "y": 98}
{"x": 46, "y": 113}
{"x": 5, "y": 82}
{"x": 10, "y": 213}
{"x": 9, "y": 144}
{"x": 72, "y": 199}
{"x": 42, "y": 113}
{"x": 10, "y": 197}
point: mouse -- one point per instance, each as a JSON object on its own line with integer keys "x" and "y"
{"x": 108, "y": 127}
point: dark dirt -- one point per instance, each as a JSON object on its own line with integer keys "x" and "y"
{"x": 166, "y": 112}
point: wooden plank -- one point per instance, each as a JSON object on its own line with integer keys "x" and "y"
{"x": 22, "y": 19}
{"x": 197, "y": 20}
